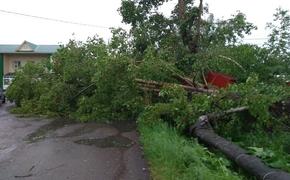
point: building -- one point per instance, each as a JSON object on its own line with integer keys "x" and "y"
{"x": 13, "y": 57}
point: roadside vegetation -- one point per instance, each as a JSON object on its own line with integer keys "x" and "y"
{"x": 172, "y": 156}
{"x": 96, "y": 81}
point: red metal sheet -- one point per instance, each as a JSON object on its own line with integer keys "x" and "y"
{"x": 220, "y": 80}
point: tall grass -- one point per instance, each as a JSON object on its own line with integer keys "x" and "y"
{"x": 172, "y": 156}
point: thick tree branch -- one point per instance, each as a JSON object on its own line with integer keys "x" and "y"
{"x": 157, "y": 86}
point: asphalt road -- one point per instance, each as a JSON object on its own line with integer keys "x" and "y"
{"x": 45, "y": 149}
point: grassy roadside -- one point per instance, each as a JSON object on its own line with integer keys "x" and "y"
{"x": 172, "y": 156}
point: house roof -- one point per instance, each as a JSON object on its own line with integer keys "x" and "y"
{"x": 28, "y": 48}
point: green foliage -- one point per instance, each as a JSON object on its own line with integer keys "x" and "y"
{"x": 174, "y": 109}
{"x": 172, "y": 156}
{"x": 178, "y": 111}
{"x": 27, "y": 84}
{"x": 272, "y": 148}
{"x": 120, "y": 43}
{"x": 261, "y": 153}
{"x": 153, "y": 67}
{"x": 174, "y": 35}
{"x": 219, "y": 46}
{"x": 115, "y": 96}
{"x": 148, "y": 29}
{"x": 279, "y": 39}
{"x": 94, "y": 81}
{"x": 83, "y": 81}
{"x": 226, "y": 32}
{"x": 238, "y": 61}
{"x": 259, "y": 96}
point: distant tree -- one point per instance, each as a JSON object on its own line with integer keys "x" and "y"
{"x": 279, "y": 38}
{"x": 186, "y": 25}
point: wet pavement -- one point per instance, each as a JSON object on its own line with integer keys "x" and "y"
{"x": 45, "y": 149}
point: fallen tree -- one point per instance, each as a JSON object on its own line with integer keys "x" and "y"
{"x": 205, "y": 133}
{"x": 149, "y": 85}
{"x": 203, "y": 130}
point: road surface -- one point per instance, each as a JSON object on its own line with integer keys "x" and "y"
{"x": 44, "y": 149}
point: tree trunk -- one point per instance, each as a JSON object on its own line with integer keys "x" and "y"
{"x": 183, "y": 29}
{"x": 190, "y": 40}
{"x": 181, "y": 10}
{"x": 194, "y": 45}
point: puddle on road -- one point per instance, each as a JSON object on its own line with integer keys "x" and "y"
{"x": 40, "y": 133}
{"x": 108, "y": 142}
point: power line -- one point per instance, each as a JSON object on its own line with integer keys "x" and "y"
{"x": 82, "y": 24}
{"x": 53, "y": 19}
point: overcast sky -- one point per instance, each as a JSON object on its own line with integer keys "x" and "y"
{"x": 103, "y": 14}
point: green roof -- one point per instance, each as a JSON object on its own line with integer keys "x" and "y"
{"x": 28, "y": 48}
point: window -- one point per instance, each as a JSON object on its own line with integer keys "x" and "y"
{"x": 16, "y": 64}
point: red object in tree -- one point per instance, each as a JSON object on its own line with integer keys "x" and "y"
{"x": 220, "y": 80}
{"x": 288, "y": 83}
